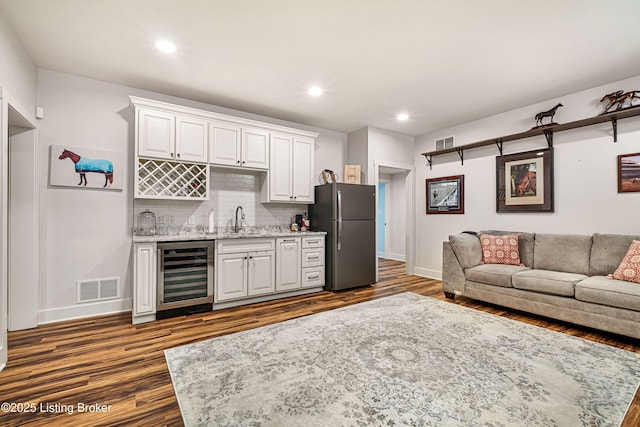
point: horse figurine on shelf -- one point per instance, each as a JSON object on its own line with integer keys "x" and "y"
{"x": 84, "y": 165}
{"x": 549, "y": 113}
{"x": 618, "y": 98}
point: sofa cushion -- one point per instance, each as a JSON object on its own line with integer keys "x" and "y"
{"x": 611, "y": 292}
{"x": 569, "y": 253}
{"x": 629, "y": 269}
{"x": 547, "y": 282}
{"x": 525, "y": 244}
{"x": 494, "y": 274}
{"x": 607, "y": 252}
{"x": 467, "y": 249}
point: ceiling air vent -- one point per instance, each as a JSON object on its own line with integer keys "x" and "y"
{"x": 444, "y": 143}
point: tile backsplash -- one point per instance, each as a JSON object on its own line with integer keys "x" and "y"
{"x": 228, "y": 189}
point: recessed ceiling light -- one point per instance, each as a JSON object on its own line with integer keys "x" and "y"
{"x": 402, "y": 116}
{"x": 165, "y": 46}
{"x": 315, "y": 91}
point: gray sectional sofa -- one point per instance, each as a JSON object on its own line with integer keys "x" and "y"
{"x": 563, "y": 277}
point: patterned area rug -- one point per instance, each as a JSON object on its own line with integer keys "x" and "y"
{"x": 402, "y": 360}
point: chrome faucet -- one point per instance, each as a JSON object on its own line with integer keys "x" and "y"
{"x": 237, "y": 226}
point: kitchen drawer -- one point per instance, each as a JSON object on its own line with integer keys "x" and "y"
{"x": 312, "y": 277}
{"x": 312, "y": 257}
{"x": 229, "y": 246}
{"x": 313, "y": 242}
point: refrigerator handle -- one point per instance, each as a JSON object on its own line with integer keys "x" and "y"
{"x": 339, "y": 219}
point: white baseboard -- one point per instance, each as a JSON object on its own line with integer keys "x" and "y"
{"x": 430, "y": 274}
{"x": 84, "y": 310}
{"x": 397, "y": 257}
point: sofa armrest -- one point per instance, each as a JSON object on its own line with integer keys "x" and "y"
{"x": 453, "y": 278}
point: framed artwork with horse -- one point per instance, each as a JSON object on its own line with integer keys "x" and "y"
{"x": 629, "y": 173}
{"x": 524, "y": 182}
{"x": 86, "y": 168}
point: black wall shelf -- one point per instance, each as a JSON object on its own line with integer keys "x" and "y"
{"x": 547, "y": 131}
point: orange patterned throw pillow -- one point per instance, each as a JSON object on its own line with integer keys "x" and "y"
{"x": 629, "y": 268}
{"x": 500, "y": 249}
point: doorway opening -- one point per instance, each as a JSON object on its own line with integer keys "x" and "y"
{"x": 395, "y": 212}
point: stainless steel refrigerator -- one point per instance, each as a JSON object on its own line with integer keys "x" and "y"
{"x": 347, "y": 212}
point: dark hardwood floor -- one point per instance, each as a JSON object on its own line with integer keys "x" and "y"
{"x": 108, "y": 361}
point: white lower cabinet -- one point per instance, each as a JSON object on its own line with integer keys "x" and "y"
{"x": 288, "y": 264}
{"x": 247, "y": 268}
{"x": 144, "y": 279}
{"x": 244, "y": 268}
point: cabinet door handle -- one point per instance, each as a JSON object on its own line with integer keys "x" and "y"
{"x": 171, "y": 154}
{"x": 314, "y": 277}
{"x": 178, "y": 154}
{"x": 289, "y": 240}
{"x": 243, "y": 162}
{"x": 313, "y": 257}
{"x": 238, "y": 161}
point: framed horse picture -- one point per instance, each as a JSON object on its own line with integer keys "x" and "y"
{"x": 629, "y": 173}
{"x": 445, "y": 195}
{"x": 524, "y": 182}
{"x": 86, "y": 168}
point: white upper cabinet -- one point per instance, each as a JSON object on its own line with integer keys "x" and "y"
{"x": 281, "y": 170}
{"x": 302, "y": 186}
{"x": 156, "y": 134}
{"x": 290, "y": 169}
{"x": 233, "y": 145}
{"x": 191, "y": 139}
{"x": 171, "y": 136}
{"x": 255, "y": 148}
{"x": 224, "y": 144}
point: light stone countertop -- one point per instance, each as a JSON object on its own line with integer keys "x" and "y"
{"x": 226, "y": 235}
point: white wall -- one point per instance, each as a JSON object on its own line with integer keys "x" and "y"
{"x": 87, "y": 233}
{"x": 358, "y": 153}
{"x": 17, "y": 69}
{"x": 398, "y": 211}
{"x": 585, "y": 175}
{"x": 389, "y": 147}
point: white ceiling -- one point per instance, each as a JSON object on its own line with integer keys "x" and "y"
{"x": 443, "y": 62}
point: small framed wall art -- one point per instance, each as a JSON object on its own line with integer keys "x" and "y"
{"x": 445, "y": 195}
{"x": 629, "y": 173}
{"x": 524, "y": 182}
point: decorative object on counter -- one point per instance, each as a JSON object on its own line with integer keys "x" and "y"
{"x": 161, "y": 230}
{"x": 147, "y": 223}
{"x": 549, "y": 113}
{"x": 629, "y": 173}
{"x": 85, "y": 161}
{"x": 618, "y": 98}
{"x": 328, "y": 176}
{"x": 172, "y": 228}
{"x": 294, "y": 227}
{"x": 352, "y": 174}
{"x": 306, "y": 224}
{"x": 525, "y": 182}
{"x": 445, "y": 195}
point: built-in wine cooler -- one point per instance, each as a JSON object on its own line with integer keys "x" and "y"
{"x": 185, "y": 276}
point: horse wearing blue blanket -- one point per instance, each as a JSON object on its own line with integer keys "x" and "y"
{"x": 84, "y": 165}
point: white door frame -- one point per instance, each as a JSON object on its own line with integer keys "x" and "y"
{"x": 410, "y": 209}
{"x": 7, "y": 101}
{"x": 387, "y": 220}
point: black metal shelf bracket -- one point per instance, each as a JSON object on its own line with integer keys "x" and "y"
{"x": 499, "y": 144}
{"x": 429, "y": 160}
{"x": 461, "y": 154}
{"x": 614, "y": 124}
{"x": 549, "y": 135}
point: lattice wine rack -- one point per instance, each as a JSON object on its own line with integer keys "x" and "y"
{"x": 161, "y": 179}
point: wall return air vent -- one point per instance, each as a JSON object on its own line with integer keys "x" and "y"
{"x": 94, "y": 290}
{"x": 444, "y": 143}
